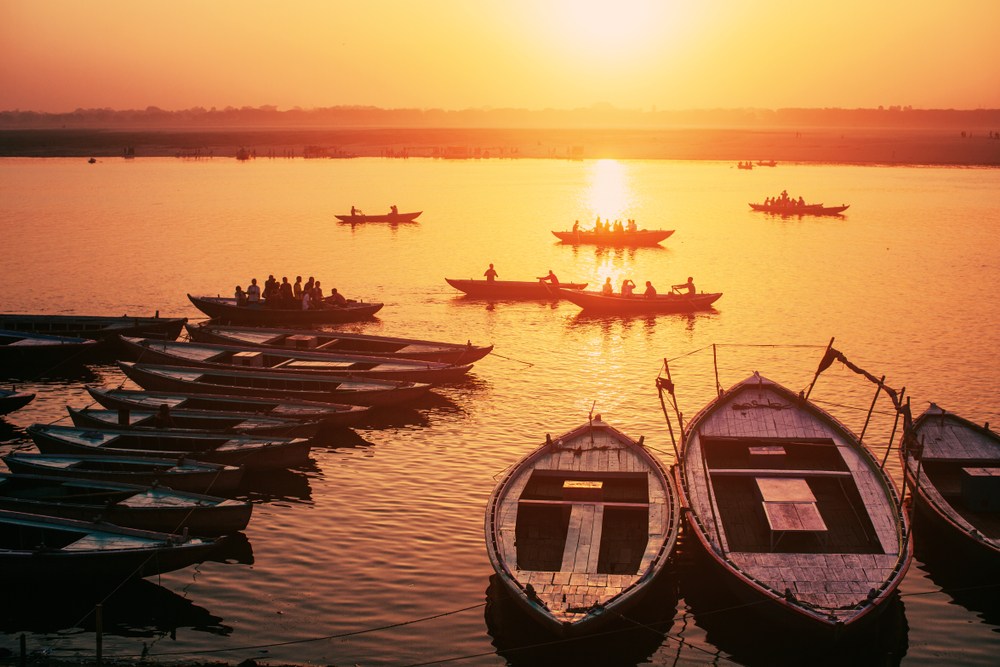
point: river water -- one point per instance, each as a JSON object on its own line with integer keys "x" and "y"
{"x": 374, "y": 553}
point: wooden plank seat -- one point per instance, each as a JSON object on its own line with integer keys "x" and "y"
{"x": 790, "y": 507}
{"x": 759, "y": 472}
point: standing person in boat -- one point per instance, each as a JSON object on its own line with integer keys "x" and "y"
{"x": 317, "y": 296}
{"x": 576, "y": 226}
{"x": 650, "y": 292}
{"x": 490, "y": 274}
{"x": 550, "y": 278}
{"x": 607, "y": 288}
{"x": 253, "y": 293}
{"x": 241, "y": 296}
{"x": 297, "y": 289}
{"x": 354, "y": 211}
{"x": 285, "y": 292}
{"x": 689, "y": 285}
{"x": 627, "y": 287}
{"x": 308, "y": 287}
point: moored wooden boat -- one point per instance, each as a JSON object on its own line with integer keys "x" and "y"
{"x": 791, "y": 208}
{"x": 626, "y": 239}
{"x": 144, "y": 507}
{"x": 509, "y": 289}
{"x": 51, "y": 549}
{"x": 579, "y": 527}
{"x": 192, "y": 420}
{"x": 97, "y": 327}
{"x": 791, "y": 507}
{"x": 339, "y": 342}
{"x": 25, "y": 352}
{"x": 328, "y": 414}
{"x": 596, "y": 302}
{"x": 226, "y": 448}
{"x": 288, "y": 360}
{"x": 952, "y": 466}
{"x": 179, "y": 474}
{"x": 383, "y": 217}
{"x": 225, "y": 310}
{"x": 273, "y": 385}
{"x": 11, "y": 399}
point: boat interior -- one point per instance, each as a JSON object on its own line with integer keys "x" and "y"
{"x": 555, "y": 505}
{"x": 787, "y": 496}
{"x": 971, "y": 487}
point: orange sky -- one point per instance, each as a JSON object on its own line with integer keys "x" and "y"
{"x": 59, "y": 55}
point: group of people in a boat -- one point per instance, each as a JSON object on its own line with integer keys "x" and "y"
{"x": 628, "y": 288}
{"x": 783, "y": 200}
{"x": 607, "y": 227}
{"x": 308, "y": 295}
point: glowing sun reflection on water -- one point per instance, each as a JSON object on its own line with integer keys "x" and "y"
{"x": 609, "y": 193}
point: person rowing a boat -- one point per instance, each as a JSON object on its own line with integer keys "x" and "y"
{"x": 550, "y": 278}
{"x": 689, "y": 285}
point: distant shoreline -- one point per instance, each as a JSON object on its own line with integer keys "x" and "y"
{"x": 888, "y": 146}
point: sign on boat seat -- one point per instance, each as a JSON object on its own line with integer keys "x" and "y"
{"x": 583, "y": 490}
{"x": 790, "y": 507}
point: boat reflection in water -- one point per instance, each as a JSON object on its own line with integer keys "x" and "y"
{"x": 630, "y": 640}
{"x": 747, "y": 634}
{"x": 140, "y": 608}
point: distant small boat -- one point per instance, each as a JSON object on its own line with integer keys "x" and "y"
{"x": 791, "y": 208}
{"x": 766, "y": 163}
{"x": 384, "y": 217}
{"x": 97, "y": 327}
{"x": 578, "y": 528}
{"x": 953, "y": 468}
{"x": 744, "y": 165}
{"x": 273, "y": 385}
{"x": 339, "y": 342}
{"x": 292, "y": 360}
{"x": 792, "y": 509}
{"x": 239, "y": 407}
{"x": 11, "y": 400}
{"x": 193, "y": 420}
{"x": 178, "y": 474}
{"x": 225, "y": 448}
{"x": 143, "y": 507}
{"x": 509, "y": 289}
{"x": 641, "y": 237}
{"x": 225, "y": 310}
{"x": 92, "y": 160}
{"x": 49, "y": 549}
{"x": 22, "y": 352}
{"x": 597, "y": 302}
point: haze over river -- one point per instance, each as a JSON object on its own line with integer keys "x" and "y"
{"x": 374, "y": 554}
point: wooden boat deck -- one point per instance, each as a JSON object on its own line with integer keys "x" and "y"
{"x": 582, "y": 523}
{"x": 791, "y": 502}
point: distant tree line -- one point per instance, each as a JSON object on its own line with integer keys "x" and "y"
{"x": 597, "y": 116}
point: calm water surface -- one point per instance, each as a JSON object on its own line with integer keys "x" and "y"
{"x": 374, "y": 553}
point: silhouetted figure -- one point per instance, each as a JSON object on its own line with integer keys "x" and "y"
{"x": 253, "y": 292}
{"x": 689, "y": 285}
{"x": 650, "y": 292}
{"x": 627, "y": 287}
{"x": 490, "y": 274}
{"x": 241, "y": 296}
{"x": 551, "y": 278}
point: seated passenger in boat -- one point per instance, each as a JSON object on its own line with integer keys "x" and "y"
{"x": 607, "y": 288}
{"x": 632, "y": 227}
{"x": 627, "y": 287}
{"x": 336, "y": 298}
{"x": 162, "y": 419}
{"x": 689, "y": 285}
{"x": 241, "y": 296}
{"x": 650, "y": 292}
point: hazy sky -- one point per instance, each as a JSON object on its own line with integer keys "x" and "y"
{"x": 59, "y": 55}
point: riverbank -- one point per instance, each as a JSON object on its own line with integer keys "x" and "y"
{"x": 830, "y": 145}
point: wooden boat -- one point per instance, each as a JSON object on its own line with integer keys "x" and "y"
{"x": 192, "y": 420}
{"x": 767, "y": 163}
{"x": 143, "y": 507}
{"x": 596, "y": 302}
{"x": 339, "y": 342}
{"x": 51, "y": 549}
{"x": 95, "y": 327}
{"x": 792, "y": 507}
{"x": 952, "y": 467}
{"x": 385, "y": 217}
{"x": 791, "y": 208}
{"x": 225, "y": 448}
{"x": 226, "y": 311}
{"x": 579, "y": 527}
{"x": 35, "y": 353}
{"x": 273, "y": 384}
{"x": 640, "y": 237}
{"x": 287, "y": 360}
{"x": 240, "y": 407}
{"x": 178, "y": 474}
{"x": 11, "y": 399}
{"x": 509, "y": 289}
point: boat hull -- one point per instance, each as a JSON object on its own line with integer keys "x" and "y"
{"x": 226, "y": 311}
{"x": 386, "y": 217}
{"x": 807, "y": 209}
{"x": 595, "y": 302}
{"x": 510, "y": 289}
{"x": 95, "y": 327}
{"x": 11, "y": 400}
{"x": 193, "y": 420}
{"x": 645, "y": 237}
